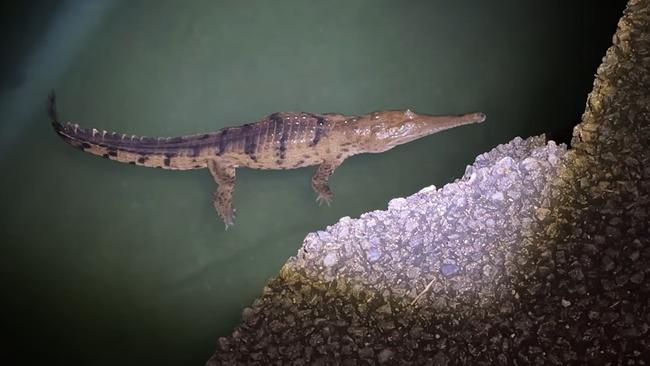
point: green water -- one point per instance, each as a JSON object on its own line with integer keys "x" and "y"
{"x": 107, "y": 263}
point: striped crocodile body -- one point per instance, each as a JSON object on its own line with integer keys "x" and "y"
{"x": 279, "y": 141}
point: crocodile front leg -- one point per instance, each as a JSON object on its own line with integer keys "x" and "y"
{"x": 320, "y": 179}
{"x": 224, "y": 176}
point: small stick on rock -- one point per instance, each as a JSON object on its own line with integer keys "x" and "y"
{"x": 423, "y": 292}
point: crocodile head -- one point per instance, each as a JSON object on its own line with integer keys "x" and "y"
{"x": 381, "y": 131}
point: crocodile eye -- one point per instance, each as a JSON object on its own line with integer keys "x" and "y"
{"x": 375, "y": 128}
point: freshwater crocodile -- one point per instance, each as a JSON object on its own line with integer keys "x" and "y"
{"x": 285, "y": 140}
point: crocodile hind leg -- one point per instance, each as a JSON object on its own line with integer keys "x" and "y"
{"x": 224, "y": 176}
{"x": 320, "y": 179}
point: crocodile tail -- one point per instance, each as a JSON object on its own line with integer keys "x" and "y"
{"x": 180, "y": 153}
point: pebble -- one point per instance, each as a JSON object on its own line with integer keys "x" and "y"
{"x": 330, "y": 259}
{"x": 449, "y": 269}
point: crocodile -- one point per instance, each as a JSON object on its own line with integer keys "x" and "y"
{"x": 284, "y": 140}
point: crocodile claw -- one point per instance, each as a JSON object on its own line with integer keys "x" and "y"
{"x": 324, "y": 198}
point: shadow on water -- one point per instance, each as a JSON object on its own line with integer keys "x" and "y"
{"x": 560, "y": 97}
{"x": 117, "y": 264}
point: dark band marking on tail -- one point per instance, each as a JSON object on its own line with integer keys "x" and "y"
{"x": 250, "y": 134}
{"x": 283, "y": 142}
{"x": 320, "y": 130}
{"x": 278, "y": 121}
{"x": 203, "y": 141}
{"x": 222, "y": 141}
{"x": 195, "y": 150}
{"x": 275, "y": 122}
